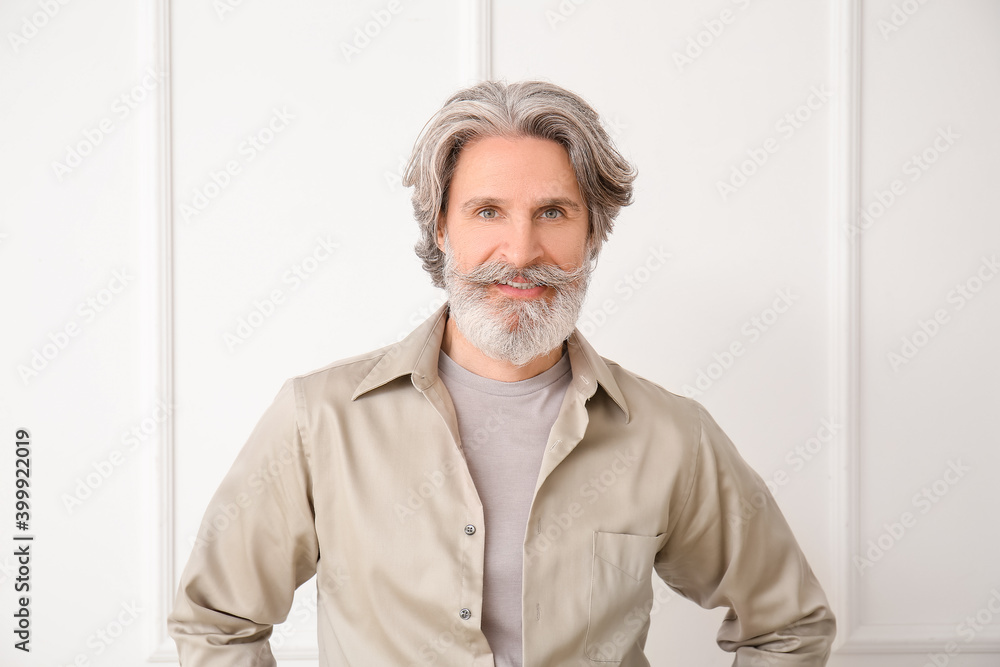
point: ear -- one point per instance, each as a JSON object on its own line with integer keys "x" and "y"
{"x": 440, "y": 231}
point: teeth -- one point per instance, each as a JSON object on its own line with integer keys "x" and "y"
{"x": 519, "y": 285}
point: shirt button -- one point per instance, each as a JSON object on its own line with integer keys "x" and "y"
{"x": 470, "y": 529}
{"x": 465, "y": 614}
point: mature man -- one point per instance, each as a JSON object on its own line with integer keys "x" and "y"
{"x": 490, "y": 491}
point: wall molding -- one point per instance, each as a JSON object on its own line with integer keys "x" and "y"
{"x": 855, "y": 636}
{"x": 844, "y": 359}
{"x": 902, "y": 639}
{"x": 158, "y": 323}
{"x": 476, "y": 19}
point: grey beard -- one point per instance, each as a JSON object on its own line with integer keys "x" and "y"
{"x": 514, "y": 330}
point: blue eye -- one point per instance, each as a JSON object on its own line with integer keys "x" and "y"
{"x": 488, "y": 213}
{"x": 552, "y": 214}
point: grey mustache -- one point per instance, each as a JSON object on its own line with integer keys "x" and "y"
{"x": 541, "y": 274}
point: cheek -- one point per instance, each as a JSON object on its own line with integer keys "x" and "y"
{"x": 571, "y": 249}
{"x": 473, "y": 247}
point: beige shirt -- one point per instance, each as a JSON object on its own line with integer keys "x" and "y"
{"x": 356, "y": 474}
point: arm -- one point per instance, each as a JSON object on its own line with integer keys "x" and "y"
{"x": 730, "y": 545}
{"x": 256, "y": 545}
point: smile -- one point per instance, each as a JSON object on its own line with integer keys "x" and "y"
{"x": 514, "y": 289}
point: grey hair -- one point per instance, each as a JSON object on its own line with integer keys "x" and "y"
{"x": 523, "y": 109}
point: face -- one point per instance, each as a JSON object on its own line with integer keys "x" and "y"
{"x": 515, "y": 242}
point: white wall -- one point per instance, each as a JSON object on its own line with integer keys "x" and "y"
{"x": 832, "y": 99}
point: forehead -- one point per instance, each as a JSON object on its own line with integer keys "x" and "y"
{"x": 508, "y": 166}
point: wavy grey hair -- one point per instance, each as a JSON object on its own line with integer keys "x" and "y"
{"x": 523, "y": 109}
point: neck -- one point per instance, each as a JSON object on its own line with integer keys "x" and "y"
{"x": 471, "y": 358}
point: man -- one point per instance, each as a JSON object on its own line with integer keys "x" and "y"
{"x": 490, "y": 491}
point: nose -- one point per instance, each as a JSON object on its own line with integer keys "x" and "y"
{"x": 522, "y": 245}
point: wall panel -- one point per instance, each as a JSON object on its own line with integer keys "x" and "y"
{"x": 815, "y": 184}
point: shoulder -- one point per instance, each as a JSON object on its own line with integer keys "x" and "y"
{"x": 647, "y": 399}
{"x": 336, "y": 380}
{"x": 661, "y": 412}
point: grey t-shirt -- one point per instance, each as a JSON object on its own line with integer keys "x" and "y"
{"x": 504, "y": 427}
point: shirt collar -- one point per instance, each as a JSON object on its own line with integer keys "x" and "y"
{"x": 417, "y": 356}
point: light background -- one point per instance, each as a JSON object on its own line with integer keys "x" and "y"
{"x": 695, "y": 93}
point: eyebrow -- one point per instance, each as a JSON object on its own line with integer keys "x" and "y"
{"x": 483, "y": 202}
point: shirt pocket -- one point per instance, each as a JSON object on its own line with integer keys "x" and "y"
{"x": 621, "y": 593}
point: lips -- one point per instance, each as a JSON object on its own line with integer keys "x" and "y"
{"x": 520, "y": 290}
{"x": 519, "y": 285}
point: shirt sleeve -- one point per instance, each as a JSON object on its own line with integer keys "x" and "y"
{"x": 731, "y": 546}
{"x": 257, "y": 543}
